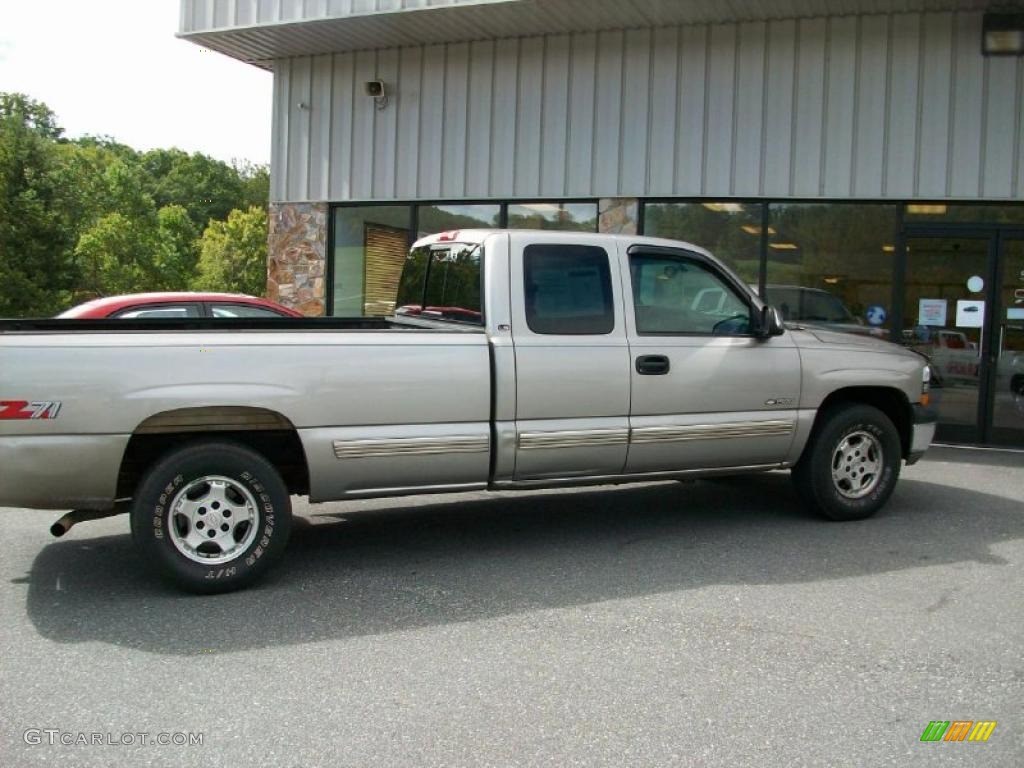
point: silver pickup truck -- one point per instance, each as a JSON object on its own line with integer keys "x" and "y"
{"x": 511, "y": 360}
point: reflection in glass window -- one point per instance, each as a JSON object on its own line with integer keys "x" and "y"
{"x": 832, "y": 264}
{"x": 432, "y": 219}
{"x": 925, "y": 213}
{"x": 568, "y": 289}
{"x": 730, "y": 230}
{"x": 579, "y": 217}
{"x": 370, "y": 243}
{"x": 677, "y": 295}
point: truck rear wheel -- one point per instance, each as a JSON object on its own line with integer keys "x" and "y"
{"x": 851, "y": 463}
{"x": 212, "y": 516}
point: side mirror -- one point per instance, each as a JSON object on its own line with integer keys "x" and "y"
{"x": 770, "y": 322}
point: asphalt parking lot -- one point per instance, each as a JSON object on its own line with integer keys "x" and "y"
{"x": 710, "y": 623}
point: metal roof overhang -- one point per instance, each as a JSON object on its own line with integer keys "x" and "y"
{"x": 260, "y": 44}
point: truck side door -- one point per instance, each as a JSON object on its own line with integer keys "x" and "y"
{"x": 571, "y": 354}
{"x": 705, "y": 391}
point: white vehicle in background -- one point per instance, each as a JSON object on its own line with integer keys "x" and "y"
{"x": 954, "y": 358}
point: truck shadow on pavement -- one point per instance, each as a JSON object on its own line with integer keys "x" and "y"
{"x": 408, "y": 565}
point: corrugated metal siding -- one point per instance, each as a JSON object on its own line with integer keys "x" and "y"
{"x": 259, "y": 31}
{"x": 203, "y": 15}
{"x": 891, "y": 106}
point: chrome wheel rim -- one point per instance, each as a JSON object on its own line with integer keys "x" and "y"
{"x": 213, "y": 520}
{"x": 857, "y": 465}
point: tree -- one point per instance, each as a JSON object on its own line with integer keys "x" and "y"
{"x": 93, "y": 217}
{"x": 233, "y": 253}
{"x": 177, "y": 251}
{"x": 116, "y": 255}
{"x": 31, "y": 114}
{"x": 34, "y": 244}
{"x": 205, "y": 187}
{"x": 255, "y": 184}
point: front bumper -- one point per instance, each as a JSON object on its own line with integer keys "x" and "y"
{"x": 922, "y": 432}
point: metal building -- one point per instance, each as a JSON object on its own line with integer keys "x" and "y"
{"x": 857, "y": 160}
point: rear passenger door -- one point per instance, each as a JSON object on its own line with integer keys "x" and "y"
{"x": 706, "y": 392}
{"x": 572, "y": 358}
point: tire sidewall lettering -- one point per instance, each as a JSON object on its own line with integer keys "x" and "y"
{"x": 161, "y": 515}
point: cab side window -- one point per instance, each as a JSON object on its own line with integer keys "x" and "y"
{"x": 676, "y": 295}
{"x": 568, "y": 290}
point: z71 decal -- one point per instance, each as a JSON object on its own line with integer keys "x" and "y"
{"x": 23, "y": 409}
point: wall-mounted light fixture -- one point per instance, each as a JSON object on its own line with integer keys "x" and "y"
{"x": 1002, "y": 34}
{"x": 378, "y": 92}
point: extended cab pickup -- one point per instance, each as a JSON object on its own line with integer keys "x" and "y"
{"x": 513, "y": 360}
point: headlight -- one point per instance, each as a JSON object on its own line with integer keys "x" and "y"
{"x": 926, "y": 379}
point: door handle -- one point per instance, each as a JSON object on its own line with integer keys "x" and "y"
{"x": 652, "y": 365}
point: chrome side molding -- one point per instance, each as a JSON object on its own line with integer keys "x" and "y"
{"x": 576, "y": 438}
{"x": 734, "y": 429}
{"x": 413, "y": 446}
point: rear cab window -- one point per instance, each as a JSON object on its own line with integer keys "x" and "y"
{"x": 442, "y": 281}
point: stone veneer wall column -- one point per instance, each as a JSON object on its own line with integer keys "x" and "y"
{"x": 618, "y": 215}
{"x": 297, "y": 256}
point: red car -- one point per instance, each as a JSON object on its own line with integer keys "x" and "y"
{"x": 148, "y": 306}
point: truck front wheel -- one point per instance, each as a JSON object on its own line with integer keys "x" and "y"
{"x": 851, "y": 463}
{"x": 212, "y": 516}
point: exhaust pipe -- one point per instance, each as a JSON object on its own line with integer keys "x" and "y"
{"x": 76, "y": 516}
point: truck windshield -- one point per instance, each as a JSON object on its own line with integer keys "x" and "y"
{"x": 442, "y": 282}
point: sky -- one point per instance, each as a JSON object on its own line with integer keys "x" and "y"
{"x": 114, "y": 68}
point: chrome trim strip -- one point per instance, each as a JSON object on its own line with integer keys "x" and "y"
{"x": 557, "y": 482}
{"x": 735, "y": 429}
{"x": 578, "y": 438}
{"x": 414, "y": 490}
{"x": 411, "y": 446}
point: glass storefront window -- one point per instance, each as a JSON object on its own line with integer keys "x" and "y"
{"x": 370, "y": 246}
{"x": 730, "y": 230}
{"x": 579, "y": 217}
{"x": 431, "y": 219}
{"x": 935, "y": 213}
{"x": 832, "y": 264}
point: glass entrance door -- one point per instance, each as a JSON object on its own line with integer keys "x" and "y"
{"x": 945, "y": 307}
{"x": 964, "y": 309}
{"x": 1008, "y": 347}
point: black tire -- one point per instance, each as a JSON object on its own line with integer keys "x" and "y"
{"x": 813, "y": 474}
{"x": 254, "y": 489}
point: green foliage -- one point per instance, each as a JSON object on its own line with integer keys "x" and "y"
{"x": 31, "y": 114}
{"x": 33, "y": 243}
{"x": 233, "y": 253}
{"x": 92, "y": 217}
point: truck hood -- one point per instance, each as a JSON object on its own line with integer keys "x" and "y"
{"x": 831, "y": 338}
